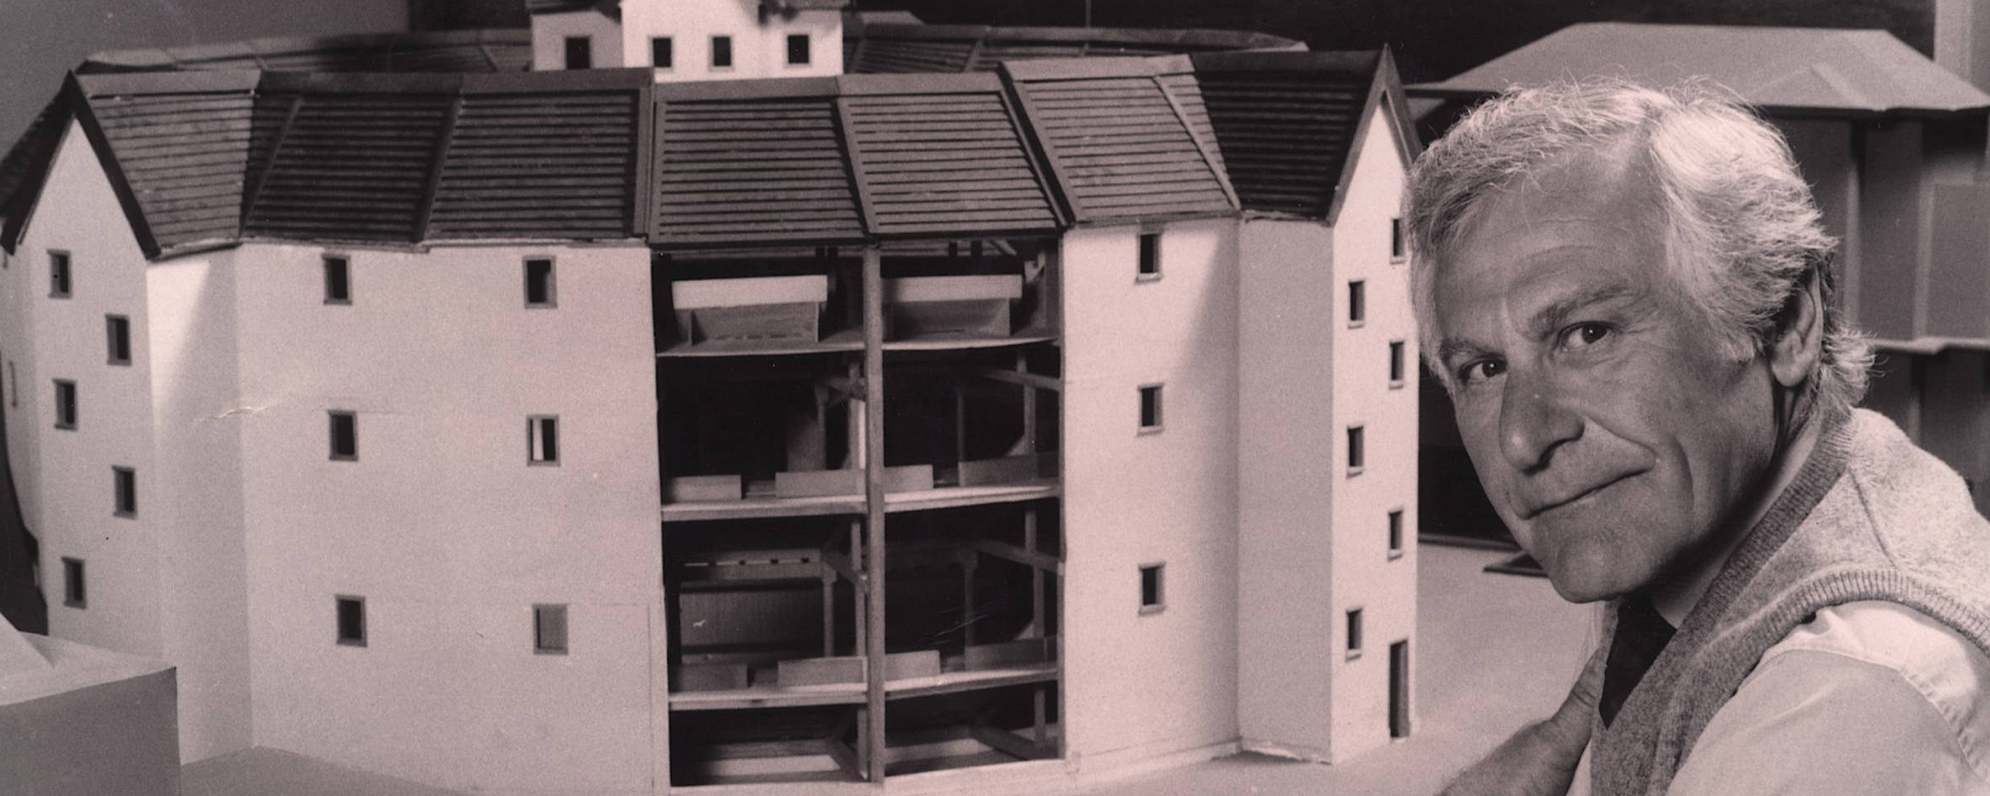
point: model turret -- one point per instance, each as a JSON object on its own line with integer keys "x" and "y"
{"x": 691, "y": 39}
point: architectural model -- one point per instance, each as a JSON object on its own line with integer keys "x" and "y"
{"x": 686, "y": 415}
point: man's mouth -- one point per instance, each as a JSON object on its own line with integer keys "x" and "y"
{"x": 1537, "y": 508}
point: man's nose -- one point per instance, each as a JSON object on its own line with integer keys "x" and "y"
{"x": 1534, "y": 421}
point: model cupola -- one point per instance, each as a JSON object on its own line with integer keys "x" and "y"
{"x": 691, "y": 39}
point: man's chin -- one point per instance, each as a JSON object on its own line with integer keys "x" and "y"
{"x": 1579, "y": 582}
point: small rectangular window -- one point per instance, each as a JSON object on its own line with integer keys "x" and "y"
{"x": 118, "y": 329}
{"x": 1150, "y": 407}
{"x": 1397, "y": 251}
{"x": 798, "y": 49}
{"x": 1357, "y": 302}
{"x": 65, "y": 404}
{"x": 539, "y": 283}
{"x": 1150, "y": 257}
{"x": 549, "y": 629}
{"x": 543, "y": 439}
{"x": 338, "y": 280}
{"x": 1354, "y": 633}
{"x": 1356, "y": 457}
{"x": 1396, "y": 533}
{"x": 721, "y": 52}
{"x": 580, "y": 52}
{"x": 58, "y": 274}
{"x": 660, "y": 52}
{"x": 1153, "y": 596}
{"x": 344, "y": 435}
{"x": 74, "y": 594}
{"x": 1396, "y": 363}
{"x": 352, "y": 621}
{"x": 124, "y": 483}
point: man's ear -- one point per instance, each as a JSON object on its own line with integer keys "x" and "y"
{"x": 1799, "y": 339}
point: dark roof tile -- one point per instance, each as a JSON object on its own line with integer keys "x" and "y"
{"x": 538, "y": 165}
{"x": 1120, "y": 143}
{"x": 951, "y": 159}
{"x": 181, "y": 151}
{"x": 752, "y": 169}
{"x": 1286, "y": 123}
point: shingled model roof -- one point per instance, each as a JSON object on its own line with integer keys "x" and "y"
{"x": 886, "y": 48}
{"x": 1121, "y": 138}
{"x": 843, "y": 159}
{"x": 1289, "y": 123}
{"x": 1806, "y": 70}
{"x": 207, "y": 158}
{"x": 498, "y": 50}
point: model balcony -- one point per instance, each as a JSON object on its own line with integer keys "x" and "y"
{"x": 936, "y": 296}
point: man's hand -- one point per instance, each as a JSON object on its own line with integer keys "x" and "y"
{"x": 1541, "y": 758}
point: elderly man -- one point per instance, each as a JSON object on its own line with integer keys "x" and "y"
{"x": 1629, "y": 296}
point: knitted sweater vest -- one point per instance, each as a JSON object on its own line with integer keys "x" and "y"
{"x": 1868, "y": 517}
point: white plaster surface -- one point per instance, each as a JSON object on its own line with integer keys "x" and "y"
{"x": 1142, "y": 685}
{"x": 1364, "y": 576}
{"x": 68, "y": 498}
{"x": 1497, "y": 651}
{"x": 442, "y": 526}
{"x": 758, "y": 50}
{"x": 549, "y": 39}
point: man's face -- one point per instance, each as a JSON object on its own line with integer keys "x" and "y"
{"x": 1609, "y": 431}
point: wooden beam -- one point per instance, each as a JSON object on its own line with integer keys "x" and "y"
{"x": 843, "y": 754}
{"x": 1003, "y": 741}
{"x": 840, "y": 564}
{"x": 850, "y": 387}
{"x": 1026, "y": 379}
{"x": 874, "y": 503}
{"x": 1024, "y": 557}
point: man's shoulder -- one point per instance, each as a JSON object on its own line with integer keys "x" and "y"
{"x": 1874, "y": 662}
{"x": 1901, "y": 490}
{"x": 1876, "y": 691}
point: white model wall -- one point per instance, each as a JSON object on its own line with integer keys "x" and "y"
{"x": 203, "y": 578}
{"x": 442, "y": 526}
{"x": 1286, "y": 438}
{"x": 550, "y": 32}
{"x": 68, "y": 498}
{"x": 758, "y": 49}
{"x": 1364, "y": 575}
{"x": 1145, "y": 685}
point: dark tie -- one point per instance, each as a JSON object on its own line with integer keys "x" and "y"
{"x": 1641, "y": 635}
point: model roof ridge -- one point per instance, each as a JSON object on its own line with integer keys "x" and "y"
{"x": 155, "y": 58}
{"x": 1207, "y": 37}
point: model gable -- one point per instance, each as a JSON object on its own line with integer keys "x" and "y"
{"x": 1290, "y": 124}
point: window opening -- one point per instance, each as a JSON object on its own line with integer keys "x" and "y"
{"x": 352, "y": 621}
{"x": 344, "y": 435}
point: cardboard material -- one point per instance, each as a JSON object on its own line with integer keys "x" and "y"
{"x": 694, "y": 488}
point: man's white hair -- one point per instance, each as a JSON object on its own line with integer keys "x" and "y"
{"x": 1741, "y": 231}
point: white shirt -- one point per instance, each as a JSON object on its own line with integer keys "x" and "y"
{"x": 1867, "y": 698}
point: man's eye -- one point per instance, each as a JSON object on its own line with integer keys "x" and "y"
{"x": 1481, "y": 370}
{"x": 1584, "y": 334}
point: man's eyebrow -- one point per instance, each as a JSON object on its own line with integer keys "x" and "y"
{"x": 1451, "y": 349}
{"x": 1557, "y": 313}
